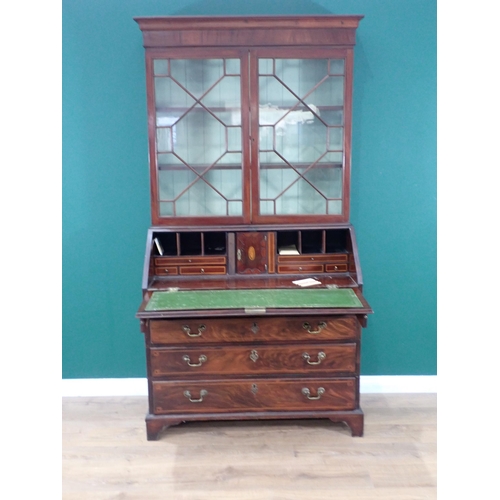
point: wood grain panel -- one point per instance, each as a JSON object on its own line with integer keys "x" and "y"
{"x": 262, "y": 360}
{"x": 248, "y": 38}
{"x": 247, "y": 395}
{"x": 254, "y": 329}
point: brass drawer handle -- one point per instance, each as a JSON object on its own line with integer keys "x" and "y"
{"x": 203, "y": 393}
{"x": 307, "y": 393}
{"x": 321, "y": 357}
{"x": 201, "y": 360}
{"x": 254, "y": 355}
{"x": 187, "y": 330}
{"x": 307, "y": 326}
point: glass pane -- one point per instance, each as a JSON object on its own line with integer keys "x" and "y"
{"x": 232, "y": 66}
{"x": 266, "y": 138}
{"x": 160, "y": 67}
{"x": 164, "y": 139}
{"x": 267, "y": 207}
{"x": 265, "y": 66}
{"x": 335, "y": 138}
{"x": 336, "y": 67}
{"x": 166, "y": 209}
{"x": 235, "y": 208}
{"x": 335, "y": 207}
{"x": 300, "y": 122}
{"x": 233, "y": 138}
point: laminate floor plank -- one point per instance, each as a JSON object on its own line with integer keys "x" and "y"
{"x": 106, "y": 454}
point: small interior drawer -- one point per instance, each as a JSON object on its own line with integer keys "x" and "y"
{"x": 187, "y": 270}
{"x": 166, "y": 271}
{"x": 299, "y": 269}
{"x": 336, "y": 268}
{"x": 168, "y": 261}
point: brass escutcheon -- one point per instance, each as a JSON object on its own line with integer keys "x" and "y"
{"x": 254, "y": 355}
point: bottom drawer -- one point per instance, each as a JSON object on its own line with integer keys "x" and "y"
{"x": 254, "y": 395}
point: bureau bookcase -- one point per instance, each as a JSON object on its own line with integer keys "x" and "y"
{"x": 249, "y": 123}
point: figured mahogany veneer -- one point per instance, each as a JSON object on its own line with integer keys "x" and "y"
{"x": 254, "y": 360}
{"x": 245, "y": 395}
{"x": 254, "y": 330}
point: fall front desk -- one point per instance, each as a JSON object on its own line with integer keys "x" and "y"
{"x": 253, "y": 354}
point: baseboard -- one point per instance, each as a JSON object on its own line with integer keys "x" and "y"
{"x": 139, "y": 386}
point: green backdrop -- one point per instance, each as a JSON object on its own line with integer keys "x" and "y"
{"x": 106, "y": 186}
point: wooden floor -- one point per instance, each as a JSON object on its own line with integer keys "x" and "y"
{"x": 106, "y": 454}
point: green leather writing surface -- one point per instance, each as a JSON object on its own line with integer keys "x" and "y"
{"x": 252, "y": 299}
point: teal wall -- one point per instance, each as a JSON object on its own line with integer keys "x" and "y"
{"x": 106, "y": 186}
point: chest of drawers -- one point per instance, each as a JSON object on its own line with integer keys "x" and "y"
{"x": 253, "y": 367}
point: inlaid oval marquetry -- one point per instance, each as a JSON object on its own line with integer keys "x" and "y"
{"x": 251, "y": 253}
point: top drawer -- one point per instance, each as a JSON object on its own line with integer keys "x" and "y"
{"x": 254, "y": 329}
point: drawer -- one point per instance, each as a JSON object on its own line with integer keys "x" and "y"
{"x": 298, "y": 259}
{"x": 166, "y": 271}
{"x": 256, "y": 360}
{"x": 254, "y": 395}
{"x": 336, "y": 268}
{"x": 254, "y": 329}
{"x": 298, "y": 269}
{"x": 187, "y": 270}
{"x": 179, "y": 261}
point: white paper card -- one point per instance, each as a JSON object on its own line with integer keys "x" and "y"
{"x": 307, "y": 282}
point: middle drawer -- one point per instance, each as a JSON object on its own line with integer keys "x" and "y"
{"x": 304, "y": 358}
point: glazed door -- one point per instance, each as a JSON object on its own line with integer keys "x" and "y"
{"x": 301, "y": 110}
{"x": 199, "y": 148}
